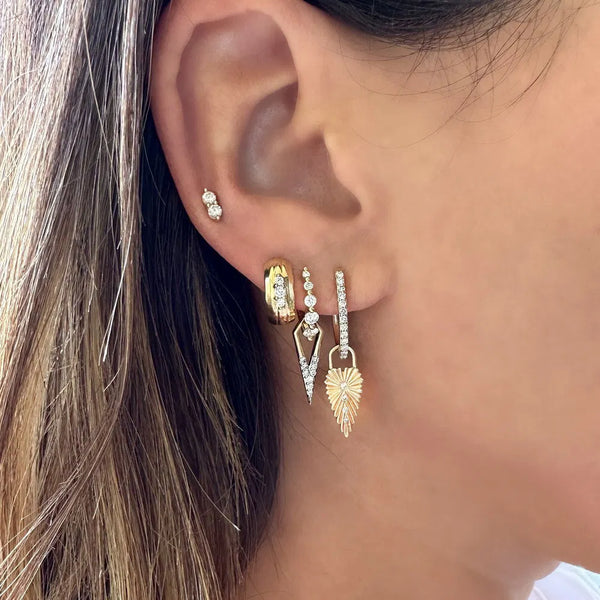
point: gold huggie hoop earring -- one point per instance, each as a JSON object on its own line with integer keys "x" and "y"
{"x": 212, "y": 205}
{"x": 308, "y": 327}
{"x": 279, "y": 291}
{"x": 343, "y": 386}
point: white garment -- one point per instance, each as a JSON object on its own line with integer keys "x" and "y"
{"x": 567, "y": 582}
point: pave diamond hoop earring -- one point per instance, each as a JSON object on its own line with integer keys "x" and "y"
{"x": 343, "y": 386}
{"x": 309, "y": 328}
{"x": 340, "y": 321}
{"x": 279, "y": 291}
{"x": 212, "y": 205}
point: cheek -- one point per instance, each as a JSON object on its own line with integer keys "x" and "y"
{"x": 507, "y": 315}
{"x": 515, "y": 277}
{"x": 502, "y": 315}
{"x": 526, "y": 262}
{"x": 499, "y": 301}
{"x": 502, "y": 336}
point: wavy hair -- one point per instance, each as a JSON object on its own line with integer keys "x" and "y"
{"x": 139, "y": 444}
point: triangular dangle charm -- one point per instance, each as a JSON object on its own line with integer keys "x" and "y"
{"x": 309, "y": 328}
{"x": 308, "y": 366}
{"x": 344, "y": 390}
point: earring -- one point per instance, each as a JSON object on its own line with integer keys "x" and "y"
{"x": 212, "y": 205}
{"x": 343, "y": 386}
{"x": 309, "y": 328}
{"x": 279, "y": 291}
{"x": 340, "y": 321}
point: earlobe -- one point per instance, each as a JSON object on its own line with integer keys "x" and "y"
{"x": 231, "y": 110}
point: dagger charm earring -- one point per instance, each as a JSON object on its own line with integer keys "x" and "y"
{"x": 309, "y": 328}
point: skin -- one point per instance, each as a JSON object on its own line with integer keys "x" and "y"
{"x": 465, "y": 213}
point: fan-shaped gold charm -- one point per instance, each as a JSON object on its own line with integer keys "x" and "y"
{"x": 344, "y": 389}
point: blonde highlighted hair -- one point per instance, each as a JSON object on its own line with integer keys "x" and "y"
{"x": 138, "y": 453}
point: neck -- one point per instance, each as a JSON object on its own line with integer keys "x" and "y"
{"x": 390, "y": 512}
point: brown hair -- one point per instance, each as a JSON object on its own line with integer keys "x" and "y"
{"x": 139, "y": 444}
{"x": 138, "y": 452}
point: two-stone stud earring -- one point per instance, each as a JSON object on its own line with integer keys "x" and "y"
{"x": 214, "y": 209}
{"x": 342, "y": 385}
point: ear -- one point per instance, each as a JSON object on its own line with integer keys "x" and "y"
{"x": 245, "y": 94}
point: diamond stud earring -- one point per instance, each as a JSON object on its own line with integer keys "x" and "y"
{"x": 279, "y": 291}
{"x": 309, "y": 328}
{"x": 343, "y": 386}
{"x": 212, "y": 205}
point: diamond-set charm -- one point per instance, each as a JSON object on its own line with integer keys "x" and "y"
{"x": 309, "y": 372}
{"x": 308, "y": 365}
{"x": 213, "y": 208}
{"x": 310, "y": 329}
{"x": 279, "y": 291}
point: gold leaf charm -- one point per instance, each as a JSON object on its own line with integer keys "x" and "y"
{"x": 344, "y": 389}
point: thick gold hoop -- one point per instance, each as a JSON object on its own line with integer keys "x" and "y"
{"x": 279, "y": 291}
{"x": 309, "y": 328}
